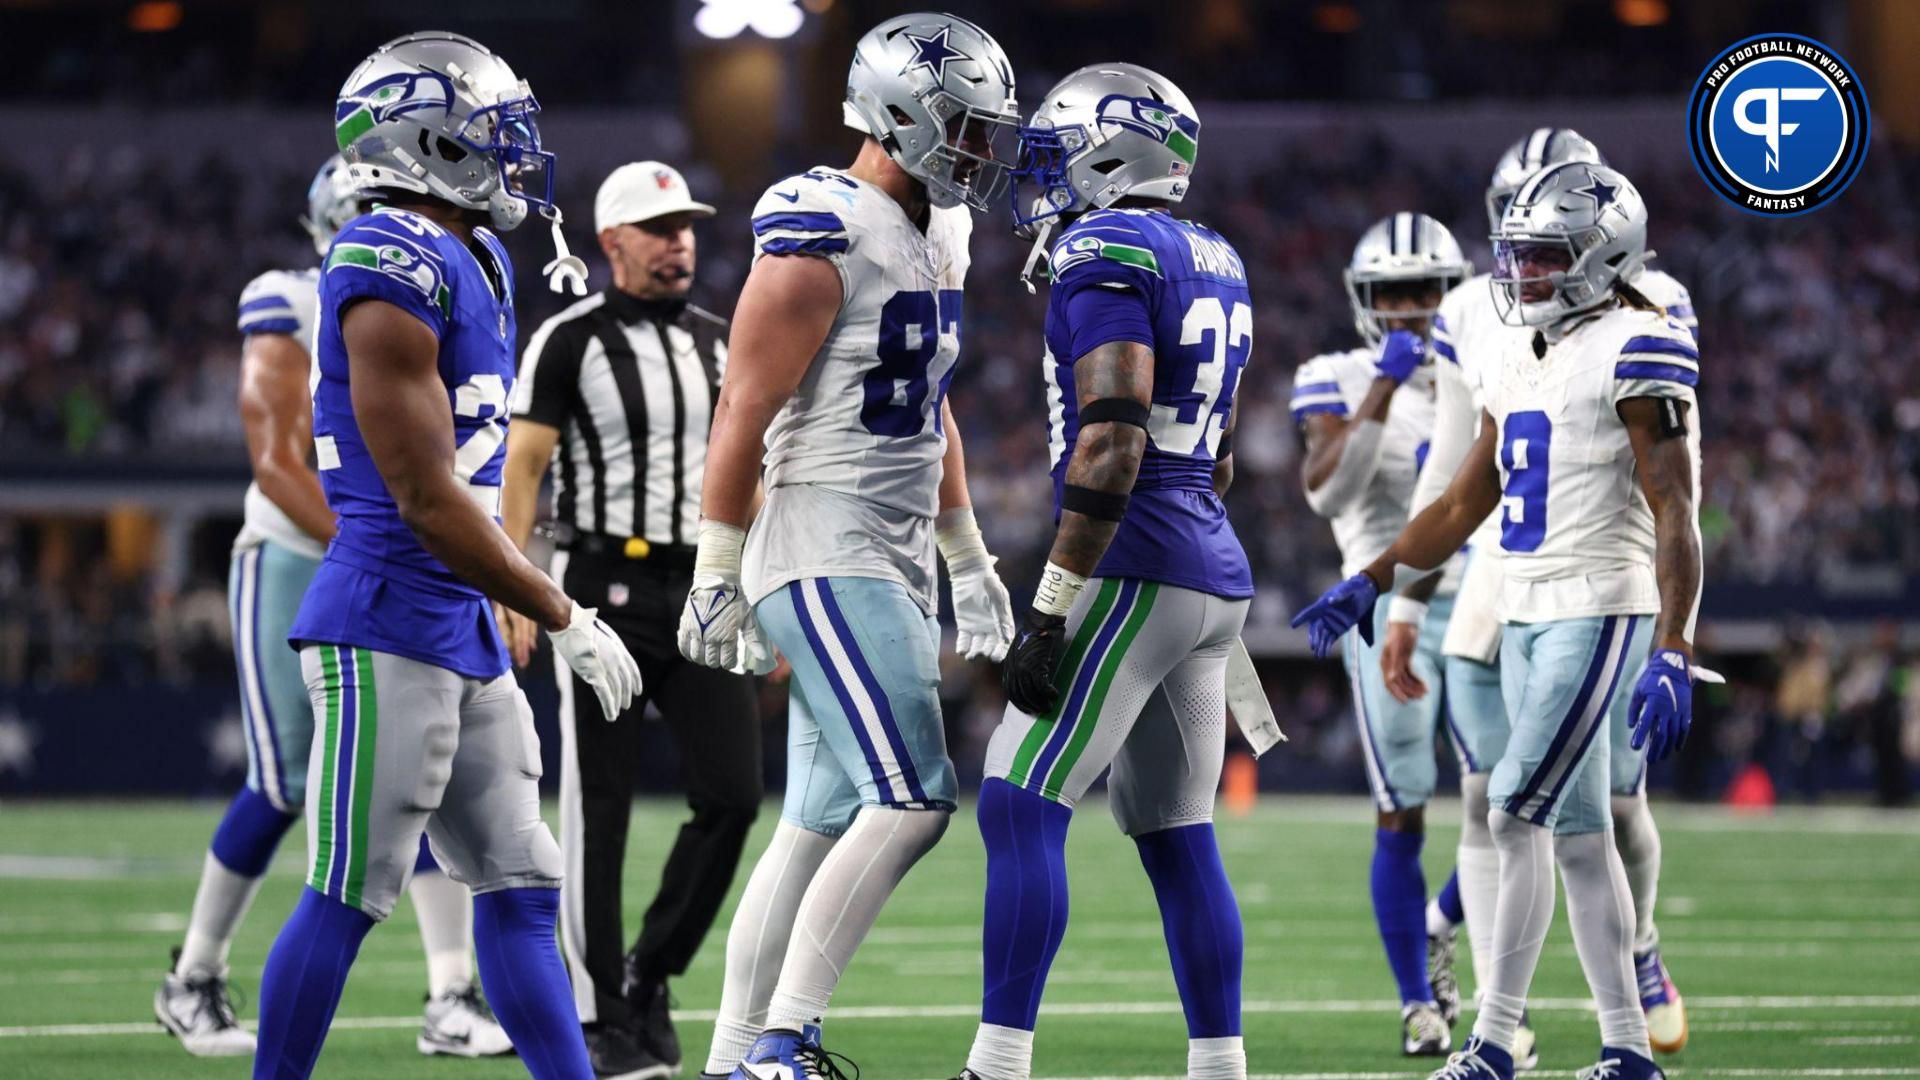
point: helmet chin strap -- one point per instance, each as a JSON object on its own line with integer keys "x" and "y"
{"x": 566, "y": 268}
{"x": 1033, "y": 257}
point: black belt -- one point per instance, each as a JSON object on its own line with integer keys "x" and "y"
{"x": 633, "y": 548}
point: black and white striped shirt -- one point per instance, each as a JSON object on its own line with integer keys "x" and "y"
{"x": 631, "y": 385}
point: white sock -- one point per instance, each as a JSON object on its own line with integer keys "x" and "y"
{"x": 445, "y": 910}
{"x": 1478, "y": 863}
{"x": 218, "y": 906}
{"x": 843, "y": 901}
{"x": 1216, "y": 1059}
{"x": 757, "y": 940}
{"x": 1001, "y": 1053}
{"x": 1438, "y": 925}
{"x": 1601, "y": 910}
{"x": 1638, "y": 839}
{"x": 1521, "y": 918}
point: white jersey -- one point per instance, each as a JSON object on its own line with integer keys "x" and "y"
{"x": 279, "y": 302}
{"x": 1575, "y": 527}
{"x": 853, "y": 460}
{"x": 1336, "y": 383}
{"x": 1467, "y": 337}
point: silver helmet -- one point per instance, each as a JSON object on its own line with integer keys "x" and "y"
{"x": 1542, "y": 148}
{"x": 1400, "y": 249}
{"x": 1571, "y": 236}
{"x": 438, "y": 114}
{"x": 936, "y": 92}
{"x": 332, "y": 201}
{"x": 1103, "y": 133}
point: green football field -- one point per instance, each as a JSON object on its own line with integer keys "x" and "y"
{"x": 1795, "y": 938}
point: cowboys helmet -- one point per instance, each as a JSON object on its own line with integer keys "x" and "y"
{"x": 1583, "y": 217}
{"x": 1544, "y": 148}
{"x": 332, "y": 201}
{"x": 438, "y": 114}
{"x": 930, "y": 87}
{"x": 1402, "y": 248}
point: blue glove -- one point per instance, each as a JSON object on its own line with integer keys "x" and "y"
{"x": 1662, "y": 706}
{"x": 1339, "y": 610}
{"x": 1400, "y": 353}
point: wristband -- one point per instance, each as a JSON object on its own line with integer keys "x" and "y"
{"x": 1058, "y": 589}
{"x": 957, "y": 535}
{"x": 719, "y": 551}
{"x": 1405, "y": 609}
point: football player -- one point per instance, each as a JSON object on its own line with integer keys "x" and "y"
{"x": 423, "y": 727}
{"x": 1468, "y": 331}
{"x": 287, "y": 526}
{"x": 1367, "y": 414}
{"x": 844, "y": 342}
{"x": 1122, "y": 658}
{"x": 1584, "y": 446}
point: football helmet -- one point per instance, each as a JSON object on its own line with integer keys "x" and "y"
{"x": 1105, "y": 132}
{"x": 332, "y": 201}
{"x": 1569, "y": 238}
{"x": 1543, "y": 148}
{"x": 1400, "y": 248}
{"x": 936, "y": 91}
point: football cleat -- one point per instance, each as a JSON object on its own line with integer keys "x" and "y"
{"x": 615, "y": 1053}
{"x": 652, "y": 1015}
{"x": 1526, "y": 1044}
{"x": 198, "y": 1010}
{"x": 1666, "y": 1013}
{"x": 1478, "y": 1060}
{"x": 1446, "y": 988}
{"x": 1618, "y": 1064}
{"x": 1424, "y": 1030}
{"x": 458, "y": 1023}
{"x": 969, "y": 1074}
{"x": 786, "y": 1055}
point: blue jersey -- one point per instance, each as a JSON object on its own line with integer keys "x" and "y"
{"x": 378, "y": 588}
{"x": 1181, "y": 290}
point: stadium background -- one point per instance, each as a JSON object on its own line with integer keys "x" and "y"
{"x": 158, "y": 153}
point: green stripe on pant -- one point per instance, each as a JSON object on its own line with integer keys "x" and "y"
{"x": 323, "y": 792}
{"x": 1063, "y": 680}
{"x": 1089, "y": 718}
{"x": 366, "y": 731}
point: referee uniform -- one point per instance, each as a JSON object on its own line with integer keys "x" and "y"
{"x": 628, "y": 378}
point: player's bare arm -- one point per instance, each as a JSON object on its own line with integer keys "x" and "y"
{"x": 529, "y": 448}
{"x": 1657, "y": 428}
{"x": 1106, "y": 457}
{"x": 1327, "y": 443}
{"x": 786, "y": 308}
{"x": 1403, "y": 638}
{"x": 278, "y": 416}
{"x": 953, "y": 464}
{"x": 1433, "y": 536}
{"x": 401, "y": 405}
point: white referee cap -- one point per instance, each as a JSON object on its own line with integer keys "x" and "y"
{"x": 641, "y": 191}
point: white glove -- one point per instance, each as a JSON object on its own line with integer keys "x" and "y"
{"x": 597, "y": 655}
{"x": 982, "y": 610}
{"x": 717, "y": 628}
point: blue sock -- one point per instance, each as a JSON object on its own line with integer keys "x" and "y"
{"x": 1201, "y": 921}
{"x": 1400, "y": 907}
{"x": 250, "y": 833}
{"x": 1026, "y": 910}
{"x": 424, "y": 863}
{"x": 513, "y": 933}
{"x": 1449, "y": 900}
{"x": 301, "y": 987}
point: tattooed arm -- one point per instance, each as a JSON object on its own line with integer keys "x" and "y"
{"x": 1107, "y": 455}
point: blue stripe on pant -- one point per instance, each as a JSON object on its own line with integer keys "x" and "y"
{"x": 864, "y": 724}
{"x": 1559, "y": 681}
{"x": 265, "y": 584}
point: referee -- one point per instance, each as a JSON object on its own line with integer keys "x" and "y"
{"x": 617, "y": 392}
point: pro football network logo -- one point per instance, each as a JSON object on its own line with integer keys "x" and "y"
{"x": 1778, "y": 124}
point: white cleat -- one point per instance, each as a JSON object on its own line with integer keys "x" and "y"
{"x": 198, "y": 1010}
{"x": 1424, "y": 1031}
{"x": 1526, "y": 1045}
{"x": 1666, "y": 1012}
{"x": 458, "y": 1023}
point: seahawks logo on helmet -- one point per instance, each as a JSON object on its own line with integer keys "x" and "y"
{"x": 382, "y": 100}
{"x": 1154, "y": 120}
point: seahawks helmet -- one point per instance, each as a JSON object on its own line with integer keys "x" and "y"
{"x": 1543, "y": 148}
{"x": 928, "y": 87}
{"x": 1571, "y": 236}
{"x": 332, "y": 201}
{"x": 1103, "y": 133}
{"x": 1402, "y": 248}
{"x": 436, "y": 113}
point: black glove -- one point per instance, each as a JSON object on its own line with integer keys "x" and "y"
{"x": 1028, "y": 673}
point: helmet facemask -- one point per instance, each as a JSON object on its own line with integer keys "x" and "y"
{"x": 1364, "y": 292}
{"x": 968, "y": 165}
{"x": 1042, "y": 159}
{"x": 1538, "y": 280}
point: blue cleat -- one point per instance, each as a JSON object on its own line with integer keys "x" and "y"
{"x": 1478, "y": 1060}
{"x": 1618, "y": 1064}
{"x": 786, "y": 1055}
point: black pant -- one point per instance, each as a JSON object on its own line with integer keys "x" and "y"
{"x": 714, "y": 718}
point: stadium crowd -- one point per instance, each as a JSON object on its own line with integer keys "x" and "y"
{"x": 118, "y": 276}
